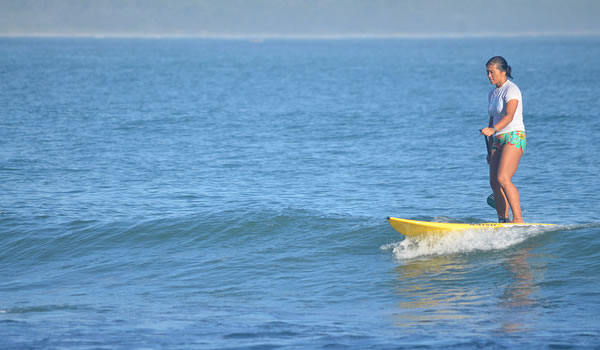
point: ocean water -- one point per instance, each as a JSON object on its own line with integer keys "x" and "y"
{"x": 228, "y": 194}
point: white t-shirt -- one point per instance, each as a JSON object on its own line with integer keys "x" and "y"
{"x": 497, "y": 100}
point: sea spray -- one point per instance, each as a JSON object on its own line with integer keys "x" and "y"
{"x": 463, "y": 242}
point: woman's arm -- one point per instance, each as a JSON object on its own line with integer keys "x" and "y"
{"x": 511, "y": 108}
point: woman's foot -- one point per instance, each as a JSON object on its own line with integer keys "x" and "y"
{"x": 517, "y": 221}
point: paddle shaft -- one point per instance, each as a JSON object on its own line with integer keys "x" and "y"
{"x": 490, "y": 199}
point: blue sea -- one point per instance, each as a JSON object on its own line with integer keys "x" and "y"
{"x": 233, "y": 194}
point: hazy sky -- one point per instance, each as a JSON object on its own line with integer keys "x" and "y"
{"x": 298, "y": 17}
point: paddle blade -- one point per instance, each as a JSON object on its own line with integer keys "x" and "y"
{"x": 490, "y": 201}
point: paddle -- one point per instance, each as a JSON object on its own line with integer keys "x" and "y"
{"x": 490, "y": 201}
{"x": 490, "y": 198}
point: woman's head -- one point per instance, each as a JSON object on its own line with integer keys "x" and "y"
{"x": 500, "y": 63}
{"x": 498, "y": 70}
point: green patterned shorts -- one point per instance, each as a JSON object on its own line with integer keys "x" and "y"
{"x": 515, "y": 138}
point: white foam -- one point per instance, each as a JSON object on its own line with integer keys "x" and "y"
{"x": 463, "y": 242}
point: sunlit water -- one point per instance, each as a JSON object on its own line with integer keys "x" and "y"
{"x": 186, "y": 194}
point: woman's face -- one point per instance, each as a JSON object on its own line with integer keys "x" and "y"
{"x": 495, "y": 75}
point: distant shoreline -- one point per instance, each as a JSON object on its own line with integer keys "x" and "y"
{"x": 262, "y": 37}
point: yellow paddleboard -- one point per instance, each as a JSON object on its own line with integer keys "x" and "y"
{"x": 411, "y": 228}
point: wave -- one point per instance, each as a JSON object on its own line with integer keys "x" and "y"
{"x": 40, "y": 308}
{"x": 35, "y": 241}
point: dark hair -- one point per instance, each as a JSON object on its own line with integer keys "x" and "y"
{"x": 501, "y": 64}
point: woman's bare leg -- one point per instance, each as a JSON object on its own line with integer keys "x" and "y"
{"x": 499, "y": 197}
{"x": 507, "y": 166}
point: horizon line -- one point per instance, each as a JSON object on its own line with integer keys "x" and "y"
{"x": 273, "y": 36}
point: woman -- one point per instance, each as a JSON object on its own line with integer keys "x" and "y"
{"x": 505, "y": 108}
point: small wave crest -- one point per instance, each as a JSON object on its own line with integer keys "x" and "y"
{"x": 34, "y": 242}
{"x": 463, "y": 242}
